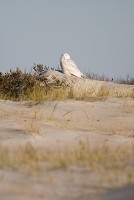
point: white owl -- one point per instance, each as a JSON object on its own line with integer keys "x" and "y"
{"x": 69, "y": 67}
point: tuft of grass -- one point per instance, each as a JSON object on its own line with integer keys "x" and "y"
{"x": 103, "y": 91}
{"x": 32, "y": 128}
{"x": 91, "y": 94}
{"x": 122, "y": 130}
{"x": 37, "y": 94}
{"x": 58, "y": 94}
{"x": 132, "y": 94}
{"x": 82, "y": 94}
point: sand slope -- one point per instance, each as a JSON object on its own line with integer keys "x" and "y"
{"x": 109, "y": 120}
{"x": 62, "y": 124}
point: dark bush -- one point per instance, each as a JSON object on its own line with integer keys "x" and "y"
{"x": 39, "y": 69}
{"x": 128, "y": 80}
{"x": 16, "y": 84}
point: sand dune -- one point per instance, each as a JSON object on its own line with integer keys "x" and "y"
{"x": 60, "y": 125}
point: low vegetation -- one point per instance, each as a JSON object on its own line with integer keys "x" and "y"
{"x": 17, "y": 85}
{"x": 113, "y": 163}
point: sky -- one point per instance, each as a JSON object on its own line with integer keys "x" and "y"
{"x": 98, "y": 34}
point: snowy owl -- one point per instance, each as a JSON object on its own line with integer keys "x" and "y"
{"x": 68, "y": 66}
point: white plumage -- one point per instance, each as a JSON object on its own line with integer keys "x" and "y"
{"x": 68, "y": 66}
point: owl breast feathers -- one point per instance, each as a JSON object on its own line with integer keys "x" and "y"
{"x": 68, "y": 66}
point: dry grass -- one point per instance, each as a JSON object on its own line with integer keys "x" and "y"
{"x": 132, "y": 94}
{"x": 115, "y": 167}
{"x": 103, "y": 91}
{"x": 3, "y": 114}
{"x": 31, "y": 128}
{"x": 122, "y": 93}
{"x": 62, "y": 93}
{"x": 78, "y": 93}
{"x": 119, "y": 128}
{"x": 88, "y": 93}
{"x": 39, "y": 94}
{"x": 102, "y": 160}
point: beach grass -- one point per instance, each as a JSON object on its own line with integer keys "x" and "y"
{"x": 104, "y": 159}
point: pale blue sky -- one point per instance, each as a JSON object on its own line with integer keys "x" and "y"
{"x": 98, "y": 34}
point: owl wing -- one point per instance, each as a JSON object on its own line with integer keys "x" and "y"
{"x": 73, "y": 69}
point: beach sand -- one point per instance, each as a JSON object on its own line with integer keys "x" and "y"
{"x": 63, "y": 124}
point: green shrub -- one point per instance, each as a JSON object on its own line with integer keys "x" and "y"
{"x": 15, "y": 84}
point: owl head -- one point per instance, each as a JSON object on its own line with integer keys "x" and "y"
{"x": 65, "y": 56}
